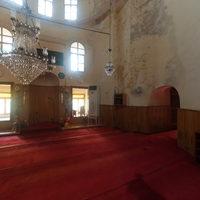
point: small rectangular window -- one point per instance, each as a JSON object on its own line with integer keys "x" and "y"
{"x": 71, "y": 9}
{"x": 45, "y": 7}
{"x": 5, "y": 102}
{"x": 5, "y": 40}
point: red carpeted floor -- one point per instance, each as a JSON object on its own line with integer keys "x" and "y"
{"x": 96, "y": 164}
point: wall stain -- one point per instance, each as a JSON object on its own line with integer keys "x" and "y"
{"x": 149, "y": 18}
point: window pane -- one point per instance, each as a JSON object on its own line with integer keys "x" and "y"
{"x": 75, "y": 104}
{"x": 41, "y": 7}
{"x": 74, "y": 50}
{"x": 75, "y": 45}
{"x": 7, "y": 48}
{"x": 2, "y": 106}
{"x": 67, "y": 1}
{"x": 5, "y": 89}
{"x": 74, "y": 2}
{"x": 5, "y": 102}
{"x": 80, "y": 46}
{"x": 7, "y": 39}
{"x": 67, "y": 12}
{"x": 71, "y": 9}
{"x": 81, "y": 67}
{"x": 81, "y": 51}
{"x": 48, "y": 9}
{"x": 6, "y": 32}
{"x": 74, "y": 62}
{"x": 77, "y": 57}
{"x": 81, "y": 59}
{"x": 8, "y": 102}
{"x": 73, "y": 13}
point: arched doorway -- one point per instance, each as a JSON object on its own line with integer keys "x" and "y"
{"x": 175, "y": 104}
{"x": 44, "y": 99}
{"x": 167, "y": 96}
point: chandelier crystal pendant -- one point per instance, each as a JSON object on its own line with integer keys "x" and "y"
{"x": 109, "y": 68}
{"x": 23, "y": 61}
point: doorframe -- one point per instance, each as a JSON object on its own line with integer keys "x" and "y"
{"x": 11, "y": 104}
{"x": 76, "y": 87}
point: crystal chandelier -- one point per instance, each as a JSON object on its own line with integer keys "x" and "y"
{"x": 23, "y": 61}
{"x": 109, "y": 68}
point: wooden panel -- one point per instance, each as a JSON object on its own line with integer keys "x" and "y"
{"x": 188, "y": 125}
{"x": 106, "y": 113}
{"x": 138, "y": 119}
{"x": 44, "y": 104}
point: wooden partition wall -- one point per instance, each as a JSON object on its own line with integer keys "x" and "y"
{"x": 148, "y": 119}
{"x": 188, "y": 125}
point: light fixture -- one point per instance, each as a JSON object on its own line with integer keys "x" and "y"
{"x": 23, "y": 61}
{"x": 109, "y": 68}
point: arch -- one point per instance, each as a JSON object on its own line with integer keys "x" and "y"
{"x": 6, "y": 40}
{"x": 77, "y": 51}
{"x": 46, "y": 79}
{"x": 166, "y": 96}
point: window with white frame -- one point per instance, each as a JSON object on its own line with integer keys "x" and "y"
{"x": 19, "y": 2}
{"x": 71, "y": 9}
{"x": 6, "y": 40}
{"x": 5, "y": 102}
{"x": 45, "y": 7}
{"x": 77, "y": 57}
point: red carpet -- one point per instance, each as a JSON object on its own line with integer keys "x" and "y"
{"x": 96, "y": 163}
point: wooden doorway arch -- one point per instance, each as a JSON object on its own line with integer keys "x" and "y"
{"x": 44, "y": 99}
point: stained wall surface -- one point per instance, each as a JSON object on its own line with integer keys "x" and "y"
{"x": 156, "y": 43}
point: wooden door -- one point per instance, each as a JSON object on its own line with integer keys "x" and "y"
{"x": 44, "y": 104}
{"x": 175, "y": 104}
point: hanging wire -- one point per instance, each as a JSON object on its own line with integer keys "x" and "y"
{"x": 110, "y": 31}
{"x": 110, "y": 27}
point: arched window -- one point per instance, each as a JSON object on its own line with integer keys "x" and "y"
{"x": 71, "y": 9}
{"x": 77, "y": 57}
{"x": 6, "y": 40}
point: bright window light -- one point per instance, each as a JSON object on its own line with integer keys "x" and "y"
{"x": 19, "y": 2}
{"x": 45, "y": 7}
{"x": 5, "y": 102}
{"x": 6, "y": 40}
{"x": 77, "y": 57}
{"x": 71, "y": 9}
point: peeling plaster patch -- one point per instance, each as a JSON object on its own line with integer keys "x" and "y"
{"x": 149, "y": 17}
{"x": 142, "y": 69}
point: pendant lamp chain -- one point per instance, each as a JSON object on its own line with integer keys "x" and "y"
{"x": 109, "y": 68}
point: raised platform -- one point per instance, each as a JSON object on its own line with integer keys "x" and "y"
{"x": 47, "y": 126}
